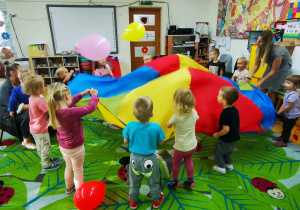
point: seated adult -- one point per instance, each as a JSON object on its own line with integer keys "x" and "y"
{"x": 17, "y": 126}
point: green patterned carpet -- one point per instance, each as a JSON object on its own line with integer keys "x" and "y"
{"x": 254, "y": 157}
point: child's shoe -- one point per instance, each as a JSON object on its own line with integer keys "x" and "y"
{"x": 219, "y": 169}
{"x": 54, "y": 159}
{"x": 189, "y": 182}
{"x": 157, "y": 204}
{"x": 173, "y": 184}
{"x": 277, "y": 138}
{"x": 280, "y": 144}
{"x": 52, "y": 167}
{"x": 229, "y": 167}
{"x": 70, "y": 190}
{"x": 132, "y": 204}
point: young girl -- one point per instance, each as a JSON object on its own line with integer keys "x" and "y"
{"x": 34, "y": 86}
{"x": 103, "y": 69}
{"x": 65, "y": 117}
{"x": 17, "y": 93}
{"x": 184, "y": 120}
{"x": 290, "y": 108}
{"x": 242, "y": 73}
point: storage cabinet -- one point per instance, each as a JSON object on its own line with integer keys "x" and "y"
{"x": 47, "y": 66}
{"x": 176, "y": 44}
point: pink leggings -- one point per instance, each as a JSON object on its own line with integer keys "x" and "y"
{"x": 74, "y": 166}
{"x": 177, "y": 159}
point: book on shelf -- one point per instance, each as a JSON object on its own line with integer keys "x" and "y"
{"x": 33, "y": 61}
{"x": 65, "y": 62}
{"x": 53, "y": 72}
{"x": 50, "y": 63}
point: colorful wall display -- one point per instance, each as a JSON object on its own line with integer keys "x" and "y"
{"x": 236, "y": 17}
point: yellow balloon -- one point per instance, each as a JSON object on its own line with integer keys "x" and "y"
{"x": 134, "y": 32}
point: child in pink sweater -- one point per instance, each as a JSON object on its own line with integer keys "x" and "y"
{"x": 34, "y": 86}
{"x": 66, "y": 118}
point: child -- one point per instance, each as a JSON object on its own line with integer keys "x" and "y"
{"x": 147, "y": 58}
{"x": 215, "y": 66}
{"x": 38, "y": 124}
{"x": 143, "y": 137}
{"x": 242, "y": 73}
{"x": 290, "y": 108}
{"x": 229, "y": 127}
{"x": 184, "y": 120}
{"x": 64, "y": 74}
{"x": 17, "y": 93}
{"x": 103, "y": 69}
{"x": 66, "y": 118}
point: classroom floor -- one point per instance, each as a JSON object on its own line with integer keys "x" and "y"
{"x": 259, "y": 168}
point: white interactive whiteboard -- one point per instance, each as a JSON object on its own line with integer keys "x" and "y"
{"x": 70, "y": 23}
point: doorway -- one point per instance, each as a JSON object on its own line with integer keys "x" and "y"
{"x": 150, "y": 43}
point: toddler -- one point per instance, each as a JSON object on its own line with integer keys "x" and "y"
{"x": 34, "y": 86}
{"x": 147, "y": 58}
{"x": 184, "y": 120}
{"x": 242, "y": 73}
{"x": 143, "y": 137}
{"x": 103, "y": 69}
{"x": 66, "y": 118}
{"x": 66, "y": 76}
{"x": 215, "y": 66}
{"x": 290, "y": 108}
{"x": 229, "y": 129}
{"x": 17, "y": 93}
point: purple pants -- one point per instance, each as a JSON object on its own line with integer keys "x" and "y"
{"x": 177, "y": 159}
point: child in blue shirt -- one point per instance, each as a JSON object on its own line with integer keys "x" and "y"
{"x": 143, "y": 137}
{"x": 18, "y": 95}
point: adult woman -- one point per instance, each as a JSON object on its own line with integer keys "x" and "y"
{"x": 19, "y": 125}
{"x": 279, "y": 64}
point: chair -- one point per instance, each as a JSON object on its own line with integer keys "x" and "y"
{"x": 227, "y": 59}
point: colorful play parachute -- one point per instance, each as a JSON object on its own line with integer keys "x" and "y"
{"x": 159, "y": 79}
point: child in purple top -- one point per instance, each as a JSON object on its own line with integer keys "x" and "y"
{"x": 66, "y": 118}
{"x": 103, "y": 69}
{"x": 17, "y": 93}
{"x": 290, "y": 108}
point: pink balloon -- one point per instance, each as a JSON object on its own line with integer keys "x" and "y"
{"x": 93, "y": 47}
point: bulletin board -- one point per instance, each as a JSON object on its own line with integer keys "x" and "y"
{"x": 70, "y": 23}
{"x": 235, "y": 18}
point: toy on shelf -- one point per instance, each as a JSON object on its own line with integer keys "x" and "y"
{"x": 295, "y": 135}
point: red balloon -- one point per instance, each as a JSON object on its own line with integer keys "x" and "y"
{"x": 89, "y": 195}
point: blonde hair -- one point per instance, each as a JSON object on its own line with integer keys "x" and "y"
{"x": 56, "y": 92}
{"x": 60, "y": 70}
{"x": 244, "y": 60}
{"x": 33, "y": 84}
{"x": 147, "y": 55}
{"x": 265, "y": 51}
{"x": 230, "y": 94}
{"x": 295, "y": 79}
{"x": 23, "y": 74}
{"x": 142, "y": 108}
{"x": 184, "y": 101}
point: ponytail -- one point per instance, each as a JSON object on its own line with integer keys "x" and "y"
{"x": 56, "y": 92}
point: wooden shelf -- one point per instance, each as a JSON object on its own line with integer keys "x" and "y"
{"x": 50, "y": 69}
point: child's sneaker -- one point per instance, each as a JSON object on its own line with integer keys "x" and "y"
{"x": 280, "y": 144}
{"x": 157, "y": 204}
{"x": 173, "y": 184}
{"x": 132, "y": 204}
{"x": 219, "y": 169}
{"x": 229, "y": 167}
{"x": 277, "y": 138}
{"x": 70, "y": 190}
{"x": 54, "y": 159}
{"x": 189, "y": 182}
{"x": 52, "y": 167}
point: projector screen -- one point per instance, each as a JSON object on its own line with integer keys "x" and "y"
{"x": 71, "y": 23}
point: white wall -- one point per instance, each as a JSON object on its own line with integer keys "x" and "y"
{"x": 32, "y": 24}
